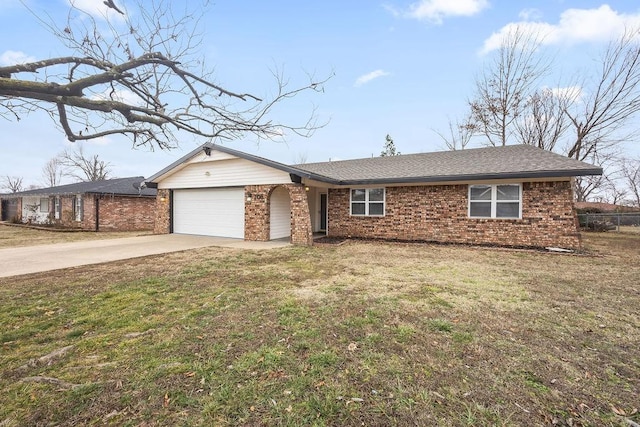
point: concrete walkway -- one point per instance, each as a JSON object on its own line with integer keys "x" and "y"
{"x": 35, "y": 259}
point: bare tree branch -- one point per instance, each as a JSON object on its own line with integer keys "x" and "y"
{"x": 502, "y": 90}
{"x": 460, "y": 133}
{"x": 83, "y": 167}
{"x": 141, "y": 81}
{"x": 543, "y": 122}
{"x": 631, "y": 175}
{"x": 52, "y": 172}
{"x": 12, "y": 183}
{"x": 612, "y": 102}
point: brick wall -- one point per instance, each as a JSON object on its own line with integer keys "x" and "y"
{"x": 439, "y": 213}
{"x": 163, "y": 213}
{"x": 125, "y": 213}
{"x": 257, "y": 213}
{"x": 67, "y": 218}
{"x": 116, "y": 213}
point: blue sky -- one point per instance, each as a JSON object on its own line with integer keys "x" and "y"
{"x": 402, "y": 68}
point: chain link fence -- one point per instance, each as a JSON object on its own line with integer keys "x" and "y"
{"x": 626, "y": 222}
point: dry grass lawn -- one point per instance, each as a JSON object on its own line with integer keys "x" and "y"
{"x": 362, "y": 333}
{"x": 14, "y": 236}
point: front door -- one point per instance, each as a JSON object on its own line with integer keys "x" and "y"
{"x": 323, "y": 212}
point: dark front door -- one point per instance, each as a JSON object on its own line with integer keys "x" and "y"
{"x": 323, "y": 212}
{"x": 9, "y": 209}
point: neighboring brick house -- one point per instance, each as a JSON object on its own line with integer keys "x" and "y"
{"x": 119, "y": 204}
{"x": 518, "y": 196}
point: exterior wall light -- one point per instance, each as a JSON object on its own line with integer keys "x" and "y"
{"x": 163, "y": 199}
{"x": 306, "y": 188}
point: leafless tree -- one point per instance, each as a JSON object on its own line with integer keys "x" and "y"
{"x": 301, "y": 158}
{"x": 602, "y": 186}
{"x": 544, "y": 122}
{"x": 599, "y": 122}
{"x": 83, "y": 167}
{"x": 505, "y": 85}
{"x": 460, "y": 133}
{"x": 141, "y": 79}
{"x": 587, "y": 121}
{"x": 52, "y": 172}
{"x": 631, "y": 175}
{"x": 12, "y": 183}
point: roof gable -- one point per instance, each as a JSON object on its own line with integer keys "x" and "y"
{"x": 213, "y": 152}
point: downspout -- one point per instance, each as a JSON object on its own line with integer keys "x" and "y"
{"x": 170, "y": 211}
{"x": 97, "y": 203}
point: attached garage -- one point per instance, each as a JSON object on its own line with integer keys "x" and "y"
{"x": 218, "y": 191}
{"x": 209, "y": 212}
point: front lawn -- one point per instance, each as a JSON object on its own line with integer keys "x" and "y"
{"x": 353, "y": 334}
{"x": 16, "y": 235}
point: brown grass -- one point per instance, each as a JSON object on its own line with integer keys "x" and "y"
{"x": 14, "y": 236}
{"x": 356, "y": 334}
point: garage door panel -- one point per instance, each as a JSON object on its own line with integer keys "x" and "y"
{"x": 210, "y": 212}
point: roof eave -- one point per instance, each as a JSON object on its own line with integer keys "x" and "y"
{"x": 474, "y": 177}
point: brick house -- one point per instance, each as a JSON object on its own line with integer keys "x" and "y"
{"x": 518, "y": 196}
{"x": 119, "y": 204}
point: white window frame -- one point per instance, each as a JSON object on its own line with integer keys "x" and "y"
{"x": 56, "y": 207}
{"x": 45, "y": 201}
{"x": 366, "y": 201}
{"x": 494, "y": 201}
{"x": 77, "y": 208}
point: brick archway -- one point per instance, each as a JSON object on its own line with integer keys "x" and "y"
{"x": 257, "y": 210}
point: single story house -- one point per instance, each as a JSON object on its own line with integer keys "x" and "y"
{"x": 516, "y": 195}
{"x": 120, "y": 204}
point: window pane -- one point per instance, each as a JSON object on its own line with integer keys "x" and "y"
{"x": 507, "y": 210}
{"x": 376, "y": 194}
{"x": 480, "y": 192}
{"x": 376, "y": 208}
{"x": 357, "y": 195}
{"x": 508, "y": 192}
{"x": 480, "y": 209}
{"x": 357, "y": 208}
{"x": 44, "y": 205}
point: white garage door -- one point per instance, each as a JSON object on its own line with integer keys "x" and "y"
{"x": 280, "y": 214}
{"x": 209, "y": 212}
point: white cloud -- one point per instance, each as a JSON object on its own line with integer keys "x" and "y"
{"x": 574, "y": 26}
{"x": 530, "y": 14}
{"x": 572, "y": 93}
{"x": 366, "y": 78}
{"x": 12, "y": 57}
{"x": 436, "y": 10}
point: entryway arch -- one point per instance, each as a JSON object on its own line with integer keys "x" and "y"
{"x": 279, "y": 213}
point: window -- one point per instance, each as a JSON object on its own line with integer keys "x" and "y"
{"x": 495, "y": 201}
{"x": 56, "y": 207}
{"x": 367, "y": 201}
{"x": 77, "y": 207}
{"x": 44, "y": 205}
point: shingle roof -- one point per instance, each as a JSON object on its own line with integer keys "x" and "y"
{"x": 118, "y": 186}
{"x": 512, "y": 161}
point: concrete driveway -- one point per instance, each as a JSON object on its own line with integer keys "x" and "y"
{"x": 35, "y": 259}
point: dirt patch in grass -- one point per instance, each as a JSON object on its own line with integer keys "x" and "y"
{"x": 360, "y": 333}
{"x": 12, "y": 236}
